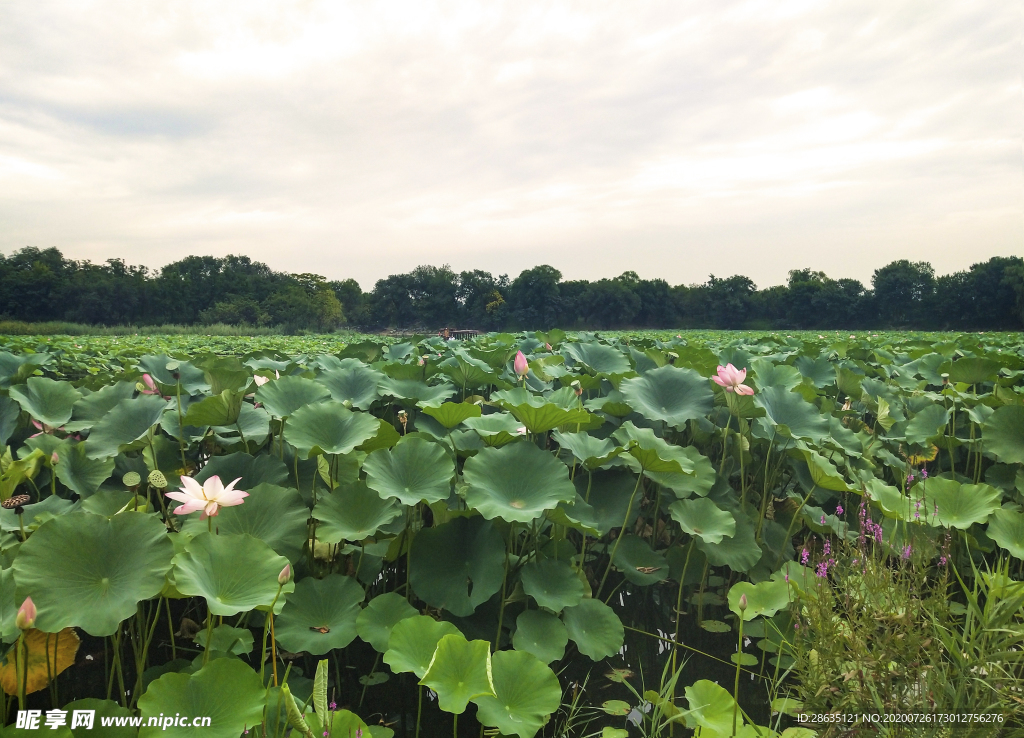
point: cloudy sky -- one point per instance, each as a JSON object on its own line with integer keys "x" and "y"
{"x": 360, "y": 139}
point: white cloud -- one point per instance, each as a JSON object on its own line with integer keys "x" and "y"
{"x": 365, "y": 138}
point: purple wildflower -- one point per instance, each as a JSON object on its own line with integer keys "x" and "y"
{"x": 942, "y": 561}
{"x": 822, "y": 519}
{"x": 796, "y": 626}
{"x": 804, "y": 555}
{"x": 906, "y": 552}
{"x": 910, "y": 478}
{"x": 924, "y": 474}
{"x": 822, "y": 569}
{"x": 333, "y": 706}
{"x": 839, "y": 509}
{"x": 828, "y": 548}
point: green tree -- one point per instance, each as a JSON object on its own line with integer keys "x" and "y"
{"x": 902, "y": 289}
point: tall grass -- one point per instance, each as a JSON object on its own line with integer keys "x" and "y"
{"x": 60, "y": 328}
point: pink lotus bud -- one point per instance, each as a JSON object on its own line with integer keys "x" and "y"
{"x": 26, "y": 617}
{"x": 520, "y": 365}
{"x": 54, "y": 459}
{"x": 285, "y": 575}
{"x": 547, "y": 346}
{"x": 743, "y": 602}
{"x": 148, "y": 381}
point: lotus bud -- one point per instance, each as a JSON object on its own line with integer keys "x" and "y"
{"x": 547, "y": 346}
{"x": 577, "y": 387}
{"x": 26, "y": 617}
{"x": 743, "y": 602}
{"x": 520, "y": 365}
{"x": 54, "y": 459}
{"x": 285, "y": 575}
{"x": 157, "y": 479}
{"x": 131, "y": 480}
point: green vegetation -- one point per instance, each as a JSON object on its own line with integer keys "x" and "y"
{"x": 573, "y": 535}
{"x": 41, "y": 285}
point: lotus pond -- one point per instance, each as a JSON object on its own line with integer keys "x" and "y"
{"x": 610, "y": 535}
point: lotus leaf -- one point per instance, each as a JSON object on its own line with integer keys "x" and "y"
{"x": 75, "y": 569}
{"x": 669, "y": 394}
{"x": 594, "y": 628}
{"x": 328, "y": 427}
{"x": 48, "y": 401}
{"x": 414, "y": 470}
{"x": 49, "y": 654}
{"x": 459, "y": 672}
{"x": 552, "y": 583}
{"x": 227, "y": 691}
{"x": 704, "y": 519}
{"x": 413, "y": 641}
{"x": 526, "y": 694}
{"x": 320, "y": 614}
{"x": 458, "y": 565}
{"x": 541, "y": 634}
{"x": 516, "y": 483}
{"x": 352, "y": 512}
{"x": 381, "y": 614}
{"x": 233, "y": 572}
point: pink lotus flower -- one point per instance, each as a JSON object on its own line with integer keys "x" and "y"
{"x": 208, "y": 497}
{"x": 732, "y": 379}
{"x": 260, "y": 381}
{"x": 151, "y": 388}
{"x": 520, "y": 365}
{"x": 43, "y": 428}
{"x": 26, "y": 616}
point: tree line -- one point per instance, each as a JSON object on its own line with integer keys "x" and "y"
{"x": 43, "y": 285}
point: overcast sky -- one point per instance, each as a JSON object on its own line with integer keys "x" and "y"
{"x": 361, "y": 139}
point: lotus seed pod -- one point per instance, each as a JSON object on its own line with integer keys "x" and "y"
{"x": 131, "y": 479}
{"x": 157, "y": 479}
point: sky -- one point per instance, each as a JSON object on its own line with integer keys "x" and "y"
{"x": 360, "y": 139}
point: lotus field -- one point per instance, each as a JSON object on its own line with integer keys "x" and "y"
{"x": 535, "y": 534}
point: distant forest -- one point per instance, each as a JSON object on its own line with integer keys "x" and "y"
{"x": 43, "y": 285}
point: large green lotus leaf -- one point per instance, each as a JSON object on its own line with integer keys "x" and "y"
{"x": 320, "y": 614}
{"x": 699, "y": 482}
{"x": 776, "y": 375}
{"x": 669, "y": 394}
{"x": 591, "y": 451}
{"x": 542, "y": 634}
{"x": 552, "y": 583}
{"x": 282, "y": 397}
{"x": 594, "y": 628}
{"x": 526, "y": 694}
{"x": 102, "y": 709}
{"x": 415, "y": 470}
{"x": 974, "y": 370}
{"x": 599, "y": 358}
{"x": 1006, "y": 528}
{"x": 78, "y": 472}
{"x": 638, "y": 562}
{"x": 496, "y": 429}
{"x": 90, "y": 571}
{"x": 414, "y": 391}
{"x": 450, "y": 414}
{"x": 352, "y": 512}
{"x": 516, "y": 483}
{"x": 704, "y": 519}
{"x": 233, "y": 572}
{"x": 127, "y": 422}
{"x": 764, "y": 598}
{"x": 711, "y": 707}
{"x": 459, "y": 672}
{"x": 353, "y": 382}
{"x": 650, "y": 452}
{"x": 927, "y": 424}
{"x": 384, "y": 437}
{"x": 823, "y": 473}
{"x": 249, "y": 470}
{"x": 610, "y": 493}
{"x": 253, "y": 423}
{"x": 226, "y": 690}
{"x": 413, "y": 641}
{"x": 192, "y": 378}
{"x": 789, "y": 414}
{"x": 1003, "y": 434}
{"x": 381, "y": 614}
{"x": 275, "y": 515}
{"x": 959, "y": 506}
{"x": 328, "y": 427}
{"x": 458, "y": 565}
{"x": 48, "y": 401}
{"x": 739, "y": 553}
{"x": 10, "y": 412}
{"x": 234, "y": 641}
{"x": 93, "y": 407}
{"x": 613, "y": 403}
{"x": 36, "y": 513}
{"x": 9, "y": 631}
{"x": 549, "y": 416}
{"x": 817, "y": 369}
{"x": 219, "y": 409}
{"x": 467, "y": 371}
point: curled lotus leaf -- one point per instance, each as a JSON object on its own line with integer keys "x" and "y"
{"x": 413, "y": 641}
{"x": 525, "y": 694}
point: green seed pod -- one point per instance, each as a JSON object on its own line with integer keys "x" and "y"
{"x": 157, "y": 479}
{"x": 131, "y": 479}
